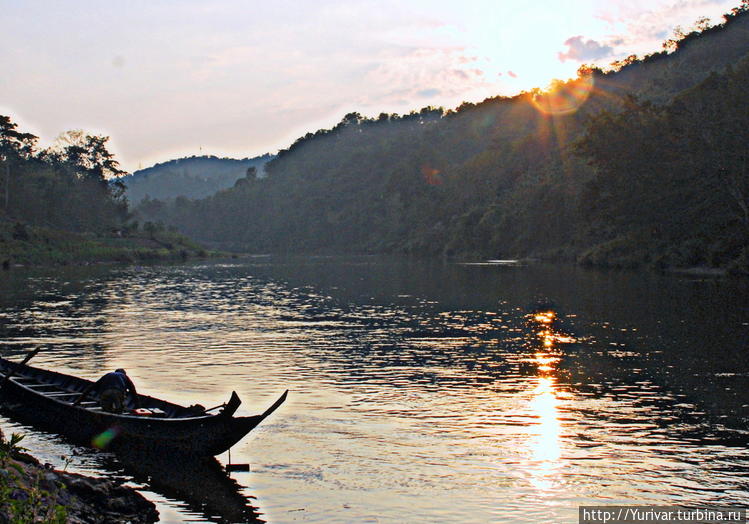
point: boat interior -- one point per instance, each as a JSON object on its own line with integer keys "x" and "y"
{"x": 66, "y": 389}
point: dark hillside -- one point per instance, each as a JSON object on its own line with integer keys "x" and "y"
{"x": 512, "y": 176}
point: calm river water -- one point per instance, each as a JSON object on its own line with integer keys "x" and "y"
{"x": 419, "y": 391}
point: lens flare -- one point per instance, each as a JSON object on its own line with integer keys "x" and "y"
{"x": 103, "y": 439}
{"x": 431, "y": 175}
{"x": 564, "y": 98}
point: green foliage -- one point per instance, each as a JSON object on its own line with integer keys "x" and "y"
{"x": 623, "y": 252}
{"x": 648, "y": 170}
{"x": 688, "y": 58}
{"x": 8, "y": 448}
{"x": 56, "y": 247}
{"x": 65, "y": 186}
{"x": 676, "y": 175}
{"x": 65, "y": 204}
{"x": 22, "y": 499}
{"x": 22, "y": 503}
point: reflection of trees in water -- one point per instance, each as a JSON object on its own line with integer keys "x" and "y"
{"x": 202, "y": 484}
{"x": 62, "y": 307}
{"x": 633, "y": 383}
{"x": 636, "y": 386}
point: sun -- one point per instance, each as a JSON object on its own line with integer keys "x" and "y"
{"x": 564, "y": 98}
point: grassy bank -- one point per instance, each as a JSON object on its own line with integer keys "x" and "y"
{"x": 728, "y": 254}
{"x": 31, "y": 246}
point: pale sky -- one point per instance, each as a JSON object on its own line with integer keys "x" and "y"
{"x": 168, "y": 78}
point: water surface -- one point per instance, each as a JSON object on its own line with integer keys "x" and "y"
{"x": 424, "y": 391}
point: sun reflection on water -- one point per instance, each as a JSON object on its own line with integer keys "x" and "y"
{"x": 545, "y": 436}
{"x": 544, "y": 361}
{"x": 544, "y": 406}
{"x": 544, "y": 317}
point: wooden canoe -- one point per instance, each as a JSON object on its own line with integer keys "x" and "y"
{"x": 45, "y": 398}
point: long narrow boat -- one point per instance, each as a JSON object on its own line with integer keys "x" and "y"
{"x": 45, "y": 398}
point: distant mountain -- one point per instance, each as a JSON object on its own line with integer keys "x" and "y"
{"x": 191, "y": 177}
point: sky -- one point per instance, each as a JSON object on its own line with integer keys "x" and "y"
{"x": 171, "y": 78}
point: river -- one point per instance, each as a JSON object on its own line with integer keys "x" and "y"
{"x": 420, "y": 391}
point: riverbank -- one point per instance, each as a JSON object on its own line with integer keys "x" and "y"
{"x": 24, "y": 245}
{"x": 35, "y": 492}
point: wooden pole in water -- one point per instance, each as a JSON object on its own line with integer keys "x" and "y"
{"x": 236, "y": 467}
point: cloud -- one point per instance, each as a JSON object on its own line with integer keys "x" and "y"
{"x": 401, "y": 73}
{"x": 467, "y": 59}
{"x": 641, "y": 26}
{"x": 429, "y": 93}
{"x": 582, "y": 51}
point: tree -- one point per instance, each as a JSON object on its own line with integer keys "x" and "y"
{"x": 85, "y": 154}
{"x": 14, "y": 147}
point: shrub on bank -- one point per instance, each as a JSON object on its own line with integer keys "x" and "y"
{"x": 26, "y": 245}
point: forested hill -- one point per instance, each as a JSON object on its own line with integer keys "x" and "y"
{"x": 660, "y": 76}
{"x": 642, "y": 164}
{"x": 191, "y": 177}
{"x": 64, "y": 204}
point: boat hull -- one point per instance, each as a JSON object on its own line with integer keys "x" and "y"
{"x": 206, "y": 435}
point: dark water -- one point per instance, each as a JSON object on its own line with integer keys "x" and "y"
{"x": 420, "y": 391}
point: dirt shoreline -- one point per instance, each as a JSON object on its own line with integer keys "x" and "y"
{"x": 34, "y": 492}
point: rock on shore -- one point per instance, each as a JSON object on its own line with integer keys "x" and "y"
{"x": 32, "y": 492}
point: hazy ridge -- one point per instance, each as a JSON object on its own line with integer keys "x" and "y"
{"x": 190, "y": 177}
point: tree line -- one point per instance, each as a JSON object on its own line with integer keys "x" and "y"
{"x": 71, "y": 185}
{"x": 672, "y": 180}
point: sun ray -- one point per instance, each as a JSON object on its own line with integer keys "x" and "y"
{"x": 564, "y": 98}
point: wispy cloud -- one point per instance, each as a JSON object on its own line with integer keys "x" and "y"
{"x": 640, "y": 27}
{"x": 584, "y": 50}
{"x": 446, "y": 70}
{"x": 429, "y": 93}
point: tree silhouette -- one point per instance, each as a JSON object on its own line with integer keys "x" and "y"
{"x": 15, "y": 147}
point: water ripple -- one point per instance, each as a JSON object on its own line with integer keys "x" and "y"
{"x": 404, "y": 396}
